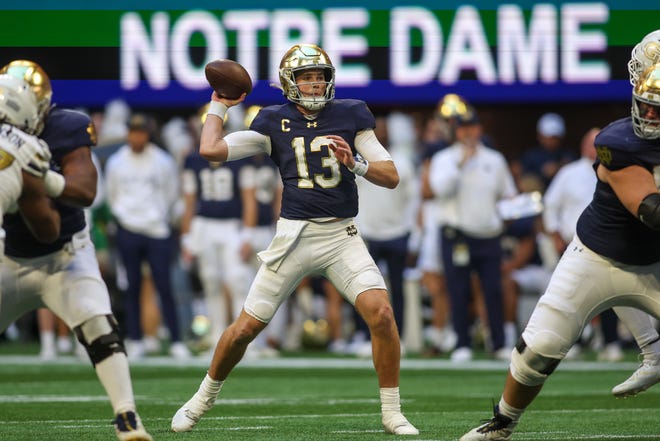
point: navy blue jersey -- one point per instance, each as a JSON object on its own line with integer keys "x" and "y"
{"x": 65, "y": 131}
{"x": 605, "y": 226}
{"x": 267, "y": 183}
{"x": 218, "y": 187}
{"x": 316, "y": 184}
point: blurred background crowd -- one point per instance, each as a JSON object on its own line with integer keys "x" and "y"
{"x": 178, "y": 272}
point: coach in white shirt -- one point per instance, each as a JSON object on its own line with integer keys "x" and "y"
{"x": 468, "y": 179}
{"x": 142, "y": 181}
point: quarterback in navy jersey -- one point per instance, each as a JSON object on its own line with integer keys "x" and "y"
{"x": 315, "y": 141}
{"x": 614, "y": 259}
{"x": 64, "y": 276}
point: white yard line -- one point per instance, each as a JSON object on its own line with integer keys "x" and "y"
{"x": 312, "y": 362}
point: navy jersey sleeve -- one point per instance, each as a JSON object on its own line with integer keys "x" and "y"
{"x": 361, "y": 114}
{"x": 68, "y": 130}
{"x": 263, "y": 122}
{"x": 188, "y": 161}
{"x": 618, "y": 147}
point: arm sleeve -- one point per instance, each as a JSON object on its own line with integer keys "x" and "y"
{"x": 246, "y": 143}
{"x": 367, "y": 145}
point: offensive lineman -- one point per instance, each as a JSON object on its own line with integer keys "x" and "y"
{"x": 643, "y": 55}
{"x": 614, "y": 260}
{"x": 313, "y": 139}
{"x": 64, "y": 275}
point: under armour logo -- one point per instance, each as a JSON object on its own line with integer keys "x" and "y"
{"x": 311, "y": 124}
{"x": 351, "y": 230}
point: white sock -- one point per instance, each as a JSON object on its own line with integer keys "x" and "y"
{"x": 210, "y": 387}
{"x": 64, "y": 343}
{"x": 116, "y": 379}
{"x": 47, "y": 339}
{"x": 390, "y": 400}
{"x": 509, "y": 411}
{"x": 651, "y": 351}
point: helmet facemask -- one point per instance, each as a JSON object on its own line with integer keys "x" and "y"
{"x": 645, "y": 99}
{"x": 298, "y": 59}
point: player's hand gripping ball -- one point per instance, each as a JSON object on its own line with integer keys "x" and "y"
{"x": 228, "y": 78}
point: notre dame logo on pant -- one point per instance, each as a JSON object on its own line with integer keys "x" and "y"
{"x": 351, "y": 230}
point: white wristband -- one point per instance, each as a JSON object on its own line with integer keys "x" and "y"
{"x": 360, "y": 168}
{"x": 54, "y": 183}
{"x": 218, "y": 109}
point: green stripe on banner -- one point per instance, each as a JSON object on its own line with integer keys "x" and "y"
{"x": 99, "y": 28}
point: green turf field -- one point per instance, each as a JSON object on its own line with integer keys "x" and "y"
{"x": 318, "y": 398}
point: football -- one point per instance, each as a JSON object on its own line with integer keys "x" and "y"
{"x": 228, "y": 78}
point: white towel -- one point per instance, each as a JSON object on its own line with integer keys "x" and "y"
{"x": 286, "y": 235}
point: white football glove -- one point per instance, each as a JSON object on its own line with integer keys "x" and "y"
{"x": 37, "y": 156}
{"x": 31, "y": 153}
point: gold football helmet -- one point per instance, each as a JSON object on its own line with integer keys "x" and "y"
{"x": 644, "y": 55}
{"x": 646, "y": 104}
{"x": 302, "y": 57}
{"x": 36, "y": 77}
{"x": 451, "y": 106}
{"x": 18, "y": 104}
